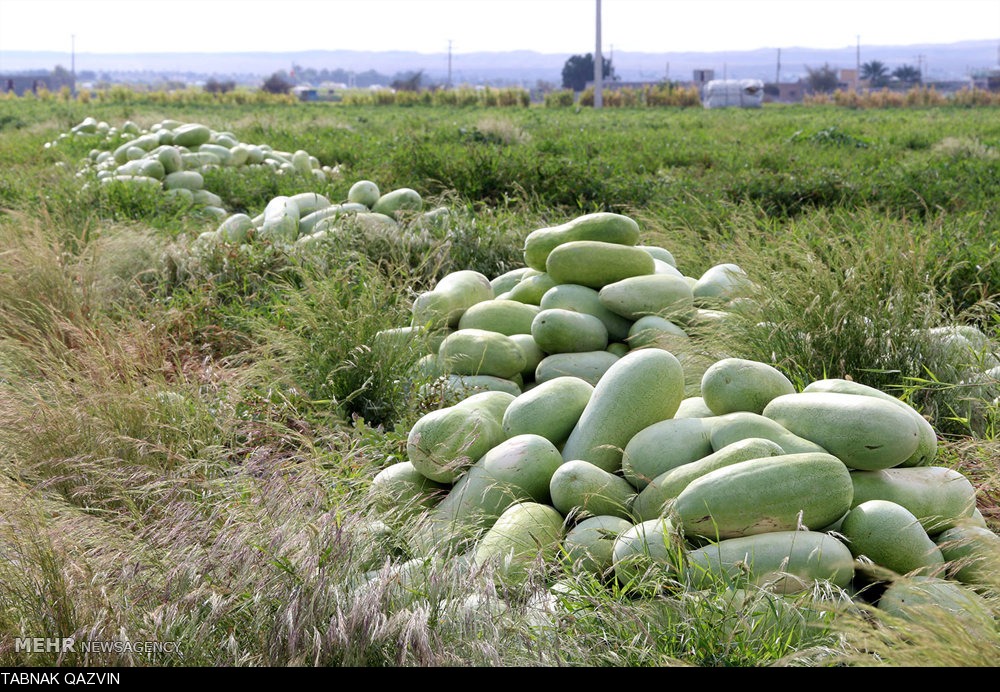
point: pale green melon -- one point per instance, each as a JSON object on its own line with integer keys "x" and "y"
{"x": 525, "y": 537}
{"x": 587, "y": 300}
{"x": 481, "y": 352}
{"x": 364, "y": 192}
{"x": 442, "y": 444}
{"x": 664, "y": 445}
{"x": 890, "y": 536}
{"x": 589, "y": 366}
{"x": 739, "y": 384}
{"x": 864, "y": 432}
{"x": 579, "y": 487}
{"x": 784, "y": 562}
{"x": 550, "y": 409}
{"x": 505, "y": 316}
{"x": 647, "y": 555}
{"x": 596, "y": 264}
{"x": 639, "y": 389}
{"x": 590, "y": 544}
{"x": 774, "y": 493}
{"x": 556, "y": 330}
{"x": 654, "y": 294}
{"x": 940, "y": 497}
{"x": 926, "y": 450}
{"x": 972, "y": 553}
{"x": 400, "y": 489}
{"x": 601, "y": 226}
{"x": 651, "y": 501}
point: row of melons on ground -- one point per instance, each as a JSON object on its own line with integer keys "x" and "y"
{"x": 614, "y": 465}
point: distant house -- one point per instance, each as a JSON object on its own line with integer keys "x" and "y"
{"x": 791, "y": 92}
{"x": 327, "y": 91}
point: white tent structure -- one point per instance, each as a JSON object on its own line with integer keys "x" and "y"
{"x": 724, "y": 93}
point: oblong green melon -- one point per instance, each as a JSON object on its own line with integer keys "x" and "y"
{"x": 590, "y": 544}
{"x": 919, "y": 597}
{"x": 506, "y": 281}
{"x": 526, "y": 536}
{"x": 784, "y": 561}
{"x": 400, "y": 489}
{"x": 664, "y": 445}
{"x": 398, "y": 202}
{"x": 720, "y": 284}
{"x": 639, "y": 389}
{"x": 587, "y": 300}
{"x": 891, "y": 537}
{"x": 364, "y": 192}
{"x": 550, "y": 409}
{"x": 481, "y": 352}
{"x": 650, "y": 502}
{"x": 972, "y": 553}
{"x": 653, "y": 331}
{"x": 531, "y": 288}
{"x": 739, "y": 425}
{"x": 596, "y": 264}
{"x": 864, "y": 432}
{"x": 505, "y": 316}
{"x": 515, "y": 470}
{"x": 664, "y": 295}
{"x": 940, "y": 497}
{"x": 556, "y": 330}
{"x": 741, "y": 384}
{"x": 191, "y": 135}
{"x": 775, "y": 493}
{"x": 601, "y": 226}
{"x": 926, "y": 450}
{"x": 443, "y": 443}
{"x": 589, "y": 366}
{"x": 444, "y": 305}
{"x": 580, "y": 487}
{"x": 648, "y": 550}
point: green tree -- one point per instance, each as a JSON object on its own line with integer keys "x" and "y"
{"x": 214, "y": 86}
{"x": 908, "y": 74}
{"x": 408, "y": 81}
{"x": 276, "y": 84}
{"x": 822, "y": 80}
{"x": 875, "y": 72}
{"x": 579, "y": 69}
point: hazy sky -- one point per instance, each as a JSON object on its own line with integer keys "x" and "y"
{"x": 546, "y": 26}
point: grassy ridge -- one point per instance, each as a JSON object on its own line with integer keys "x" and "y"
{"x": 187, "y": 446}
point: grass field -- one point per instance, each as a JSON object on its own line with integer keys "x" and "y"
{"x": 188, "y": 437}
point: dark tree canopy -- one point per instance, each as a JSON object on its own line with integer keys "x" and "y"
{"x": 408, "y": 82}
{"x": 823, "y": 80}
{"x": 908, "y": 74}
{"x": 214, "y": 86}
{"x": 875, "y": 72}
{"x": 579, "y": 69}
{"x": 276, "y": 84}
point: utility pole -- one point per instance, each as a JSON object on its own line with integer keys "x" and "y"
{"x": 777, "y": 71}
{"x": 72, "y": 64}
{"x": 857, "y": 67}
{"x": 449, "y": 63}
{"x": 598, "y": 62}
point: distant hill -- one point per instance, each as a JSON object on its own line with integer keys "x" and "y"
{"x": 954, "y": 61}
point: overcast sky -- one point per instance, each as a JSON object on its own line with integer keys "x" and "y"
{"x": 427, "y": 26}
